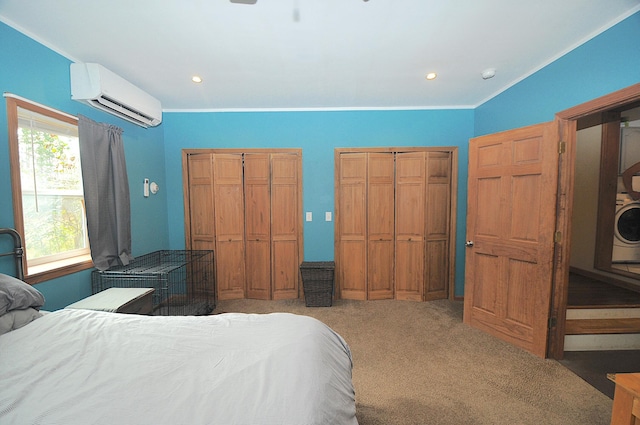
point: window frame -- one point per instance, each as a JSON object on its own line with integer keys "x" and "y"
{"x": 54, "y": 269}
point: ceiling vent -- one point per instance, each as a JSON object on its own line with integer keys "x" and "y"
{"x": 95, "y": 85}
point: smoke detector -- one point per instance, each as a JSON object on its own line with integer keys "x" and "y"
{"x": 488, "y": 73}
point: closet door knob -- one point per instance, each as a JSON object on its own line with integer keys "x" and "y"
{"x": 468, "y": 244}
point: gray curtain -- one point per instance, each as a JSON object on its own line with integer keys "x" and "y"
{"x": 106, "y": 193}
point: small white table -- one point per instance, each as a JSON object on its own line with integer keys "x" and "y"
{"x": 119, "y": 300}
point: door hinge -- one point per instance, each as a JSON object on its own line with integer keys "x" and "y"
{"x": 562, "y": 147}
{"x": 552, "y": 322}
{"x": 557, "y": 237}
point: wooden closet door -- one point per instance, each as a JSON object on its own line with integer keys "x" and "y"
{"x": 285, "y": 176}
{"x": 438, "y": 210}
{"x": 258, "y": 225}
{"x": 380, "y": 226}
{"x": 352, "y": 243}
{"x": 201, "y": 231}
{"x": 410, "y": 225}
{"x": 229, "y": 222}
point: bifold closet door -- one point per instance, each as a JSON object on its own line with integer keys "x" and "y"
{"x": 229, "y": 222}
{"x": 284, "y": 225}
{"x": 410, "y": 225}
{"x": 258, "y": 225}
{"x": 380, "y": 226}
{"x": 438, "y": 210}
{"x": 200, "y": 201}
{"x": 393, "y": 224}
{"x": 352, "y": 246}
{"x": 366, "y": 247}
{"x": 247, "y": 207}
{"x": 271, "y": 208}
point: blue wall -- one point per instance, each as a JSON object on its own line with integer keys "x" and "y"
{"x": 606, "y": 63}
{"x": 317, "y": 134}
{"x": 35, "y": 72}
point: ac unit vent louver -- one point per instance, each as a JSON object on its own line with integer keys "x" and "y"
{"x": 95, "y": 85}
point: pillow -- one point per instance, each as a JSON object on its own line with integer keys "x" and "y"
{"x": 18, "y": 295}
{"x": 16, "y": 319}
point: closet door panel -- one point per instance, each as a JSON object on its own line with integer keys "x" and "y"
{"x": 285, "y": 274}
{"x": 258, "y": 226}
{"x": 201, "y": 207}
{"x": 229, "y": 222}
{"x": 437, "y": 270}
{"x": 201, "y": 225}
{"x": 438, "y": 225}
{"x": 352, "y": 231}
{"x": 258, "y": 269}
{"x": 380, "y": 271}
{"x": 230, "y": 269}
{"x": 439, "y": 167}
{"x": 409, "y": 269}
{"x": 438, "y": 194}
{"x": 284, "y": 225}
{"x": 437, "y": 251}
{"x": 352, "y": 276}
{"x": 410, "y": 225}
{"x": 438, "y": 210}
{"x": 380, "y": 222}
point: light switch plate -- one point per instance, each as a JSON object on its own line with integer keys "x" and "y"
{"x": 327, "y": 216}
{"x": 309, "y": 216}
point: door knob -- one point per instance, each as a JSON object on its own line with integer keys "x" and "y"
{"x": 468, "y": 244}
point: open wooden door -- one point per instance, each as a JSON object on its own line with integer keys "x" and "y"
{"x": 510, "y": 234}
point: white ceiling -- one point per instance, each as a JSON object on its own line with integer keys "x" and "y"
{"x": 316, "y": 54}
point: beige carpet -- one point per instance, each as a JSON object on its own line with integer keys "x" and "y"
{"x": 417, "y": 363}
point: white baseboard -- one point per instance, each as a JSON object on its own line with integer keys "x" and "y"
{"x": 602, "y": 342}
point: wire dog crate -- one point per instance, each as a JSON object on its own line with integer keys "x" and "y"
{"x": 183, "y": 281}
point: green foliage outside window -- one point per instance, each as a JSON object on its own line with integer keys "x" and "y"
{"x": 52, "y": 195}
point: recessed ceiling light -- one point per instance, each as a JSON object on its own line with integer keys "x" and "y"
{"x": 431, "y": 76}
{"x": 196, "y": 79}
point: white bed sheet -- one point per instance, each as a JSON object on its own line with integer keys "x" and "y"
{"x": 90, "y": 367}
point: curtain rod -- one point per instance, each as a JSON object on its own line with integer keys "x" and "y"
{"x": 15, "y": 96}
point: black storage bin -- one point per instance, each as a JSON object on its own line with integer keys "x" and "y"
{"x": 317, "y": 279}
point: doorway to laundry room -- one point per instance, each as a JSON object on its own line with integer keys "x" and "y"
{"x": 602, "y": 333}
{"x": 605, "y": 243}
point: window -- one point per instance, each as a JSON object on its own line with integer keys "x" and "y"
{"x": 47, "y": 190}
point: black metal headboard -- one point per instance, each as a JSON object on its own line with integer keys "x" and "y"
{"x": 17, "y": 252}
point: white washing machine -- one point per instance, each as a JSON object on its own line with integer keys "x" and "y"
{"x": 626, "y": 234}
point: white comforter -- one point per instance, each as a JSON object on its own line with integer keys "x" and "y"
{"x": 89, "y": 367}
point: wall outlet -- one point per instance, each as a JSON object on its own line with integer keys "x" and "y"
{"x": 309, "y": 216}
{"x": 327, "y": 216}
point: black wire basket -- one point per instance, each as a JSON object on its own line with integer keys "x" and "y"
{"x": 317, "y": 279}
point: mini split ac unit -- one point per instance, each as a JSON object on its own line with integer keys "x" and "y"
{"x": 95, "y": 85}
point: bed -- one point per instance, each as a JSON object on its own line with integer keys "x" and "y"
{"x": 91, "y": 367}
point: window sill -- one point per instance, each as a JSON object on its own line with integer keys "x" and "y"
{"x": 57, "y": 269}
